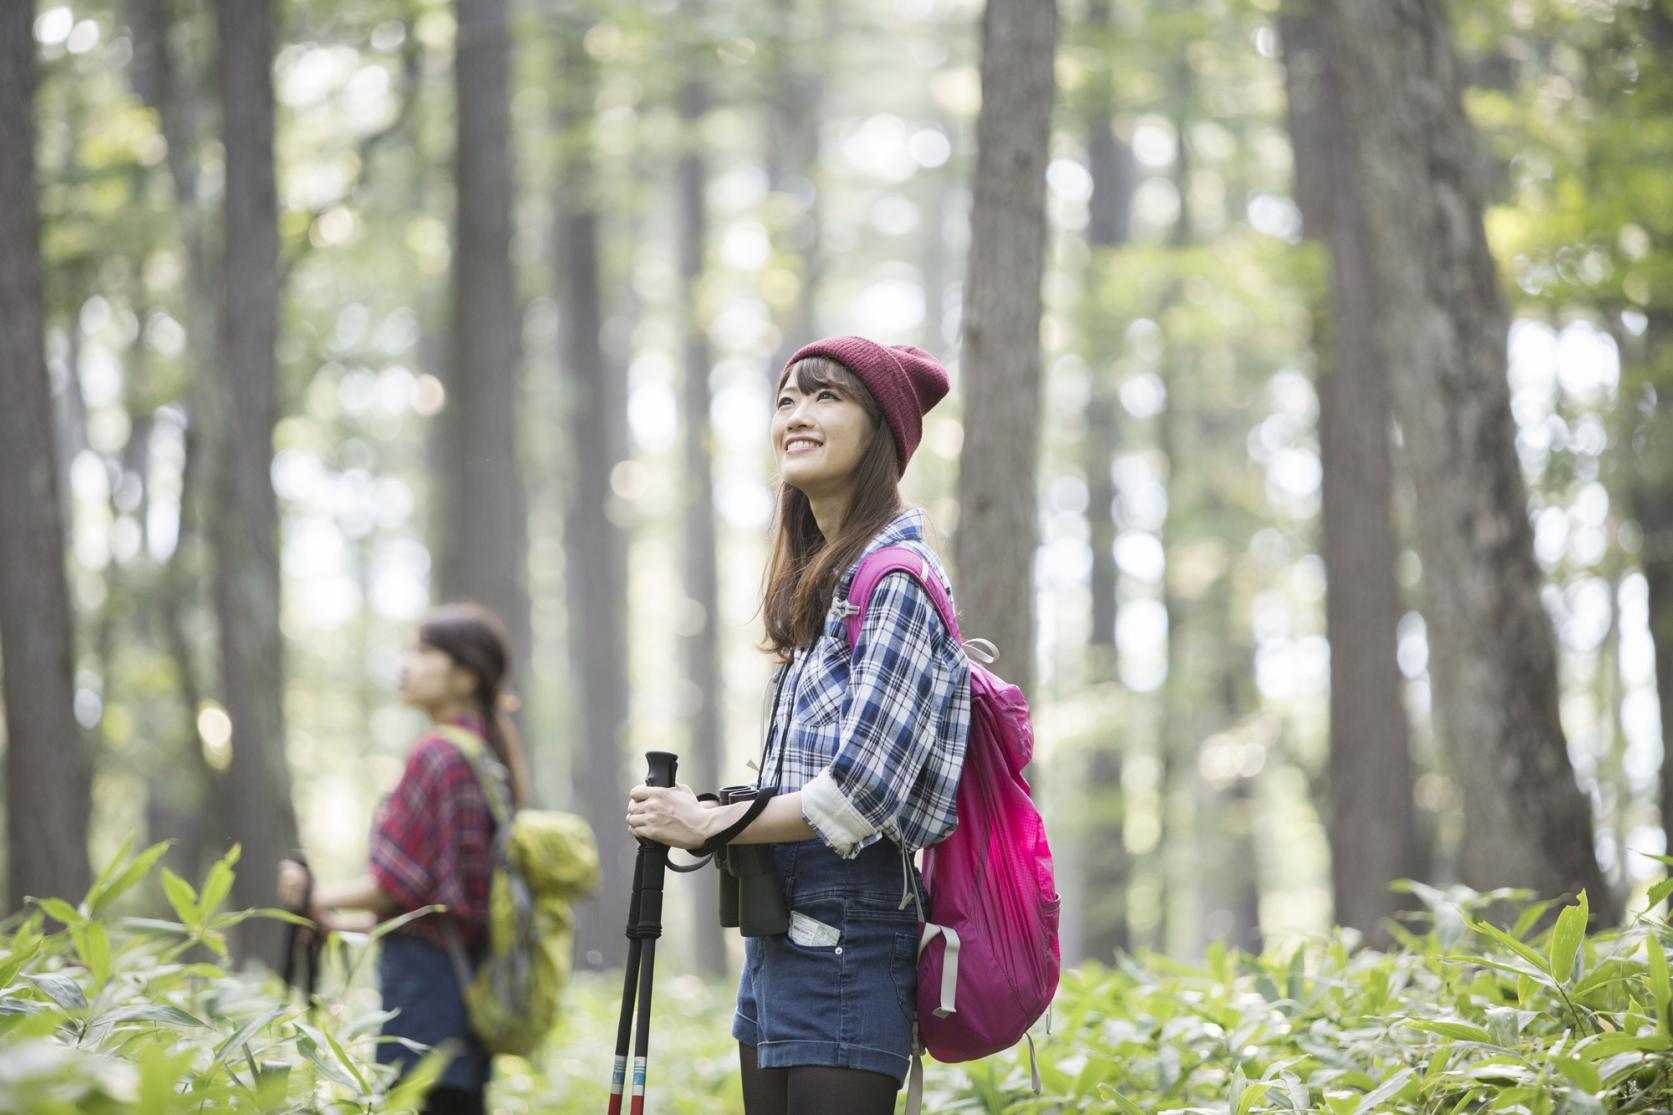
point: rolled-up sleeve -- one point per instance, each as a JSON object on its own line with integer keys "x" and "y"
{"x": 906, "y": 678}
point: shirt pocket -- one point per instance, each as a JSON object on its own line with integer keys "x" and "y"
{"x": 824, "y": 681}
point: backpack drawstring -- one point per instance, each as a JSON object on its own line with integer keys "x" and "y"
{"x": 909, "y": 886}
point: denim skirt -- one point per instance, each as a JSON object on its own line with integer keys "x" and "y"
{"x": 840, "y": 988}
{"x": 418, "y": 979}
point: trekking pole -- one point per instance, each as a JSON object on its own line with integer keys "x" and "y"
{"x": 644, "y": 926}
{"x": 310, "y": 949}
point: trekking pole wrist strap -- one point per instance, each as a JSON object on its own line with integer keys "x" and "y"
{"x": 730, "y": 833}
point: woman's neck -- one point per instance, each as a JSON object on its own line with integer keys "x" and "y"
{"x": 829, "y": 509}
{"x": 453, "y": 710}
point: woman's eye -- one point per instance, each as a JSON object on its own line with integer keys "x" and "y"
{"x": 828, "y": 394}
{"x": 783, "y": 400}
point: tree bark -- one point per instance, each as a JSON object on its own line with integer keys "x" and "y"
{"x": 47, "y": 770}
{"x": 1372, "y": 822}
{"x": 177, "y": 808}
{"x": 1000, "y": 361}
{"x": 1493, "y": 657}
{"x": 792, "y": 162}
{"x": 1114, "y": 179}
{"x": 256, "y": 796}
{"x": 1652, "y": 506}
{"x": 701, "y": 624}
{"x": 595, "y": 546}
{"x": 483, "y": 541}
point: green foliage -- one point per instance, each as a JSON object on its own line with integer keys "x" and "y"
{"x": 114, "y": 1015}
{"x": 120, "y": 1014}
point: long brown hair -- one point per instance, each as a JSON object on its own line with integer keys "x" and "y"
{"x": 805, "y": 566}
{"x": 477, "y": 642}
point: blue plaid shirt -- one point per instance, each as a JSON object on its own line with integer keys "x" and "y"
{"x": 874, "y": 739}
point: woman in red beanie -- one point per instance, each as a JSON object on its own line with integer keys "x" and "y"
{"x": 864, "y": 745}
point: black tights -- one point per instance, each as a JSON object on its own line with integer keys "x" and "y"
{"x": 814, "y": 1089}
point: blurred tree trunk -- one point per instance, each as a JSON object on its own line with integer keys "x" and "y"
{"x": 700, "y": 625}
{"x": 1372, "y": 821}
{"x": 256, "y": 790}
{"x": 1226, "y": 825}
{"x": 1175, "y": 858}
{"x": 1493, "y": 656}
{"x": 1652, "y": 506}
{"x": 1000, "y": 360}
{"x": 1114, "y": 178}
{"x": 792, "y": 163}
{"x": 47, "y": 771}
{"x": 175, "y": 806}
{"x": 483, "y": 543}
{"x": 595, "y": 547}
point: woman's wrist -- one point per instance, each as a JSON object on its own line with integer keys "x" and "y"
{"x": 721, "y": 818}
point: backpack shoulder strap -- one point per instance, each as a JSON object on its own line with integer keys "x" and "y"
{"x": 895, "y": 559}
{"x": 493, "y": 786}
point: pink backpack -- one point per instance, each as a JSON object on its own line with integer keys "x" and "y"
{"x": 988, "y": 956}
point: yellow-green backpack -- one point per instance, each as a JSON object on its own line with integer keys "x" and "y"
{"x": 543, "y": 861}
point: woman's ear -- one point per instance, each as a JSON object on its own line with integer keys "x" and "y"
{"x": 461, "y": 683}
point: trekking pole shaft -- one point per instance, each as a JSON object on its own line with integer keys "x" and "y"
{"x": 642, "y": 1041}
{"x": 630, "y": 983}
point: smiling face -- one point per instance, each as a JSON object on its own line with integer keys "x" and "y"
{"x": 821, "y": 427}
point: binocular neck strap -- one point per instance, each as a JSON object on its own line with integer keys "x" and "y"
{"x": 730, "y": 833}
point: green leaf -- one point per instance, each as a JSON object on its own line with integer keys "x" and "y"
{"x": 1582, "y": 1073}
{"x": 407, "y": 1096}
{"x": 1659, "y": 892}
{"x": 61, "y": 989}
{"x": 310, "y": 1049}
{"x": 218, "y": 883}
{"x": 100, "y": 897}
{"x": 241, "y": 1036}
{"x": 1127, "y": 1106}
{"x": 1390, "y": 1088}
{"x": 1566, "y": 939}
{"x": 1457, "y": 1031}
{"x": 385, "y": 928}
{"x": 1659, "y": 988}
{"x": 150, "y": 1012}
{"x": 1610, "y": 1044}
{"x": 1526, "y": 952}
{"x": 227, "y": 921}
{"x": 59, "y": 910}
{"x": 22, "y": 953}
{"x": 182, "y": 897}
{"x": 93, "y": 944}
{"x": 324, "y": 1037}
{"x": 110, "y": 869}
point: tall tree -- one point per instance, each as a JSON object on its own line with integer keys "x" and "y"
{"x": 595, "y": 546}
{"x": 483, "y": 531}
{"x": 1000, "y": 359}
{"x": 792, "y": 161}
{"x": 1114, "y": 179}
{"x": 47, "y": 770}
{"x": 1372, "y": 820}
{"x": 246, "y": 521}
{"x": 1493, "y": 657}
{"x": 701, "y": 624}
{"x": 175, "y": 806}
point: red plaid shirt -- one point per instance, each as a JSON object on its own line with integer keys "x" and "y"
{"x": 433, "y": 841}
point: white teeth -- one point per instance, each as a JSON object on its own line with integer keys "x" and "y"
{"x": 799, "y": 443}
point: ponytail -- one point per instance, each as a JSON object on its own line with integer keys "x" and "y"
{"x": 507, "y": 744}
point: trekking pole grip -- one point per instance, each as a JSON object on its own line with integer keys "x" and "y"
{"x": 660, "y": 768}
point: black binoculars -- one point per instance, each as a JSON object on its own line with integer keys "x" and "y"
{"x": 750, "y": 899}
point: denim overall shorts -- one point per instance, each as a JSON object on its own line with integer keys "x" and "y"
{"x": 840, "y": 988}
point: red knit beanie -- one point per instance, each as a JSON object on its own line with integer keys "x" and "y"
{"x": 906, "y": 382}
